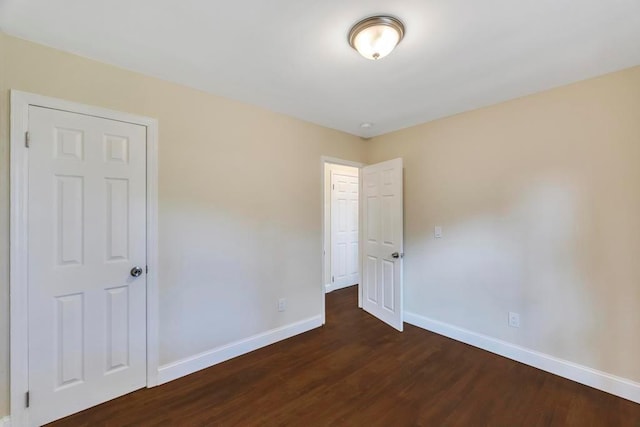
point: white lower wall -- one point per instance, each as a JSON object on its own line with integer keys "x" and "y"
{"x": 584, "y": 375}
{"x": 220, "y": 354}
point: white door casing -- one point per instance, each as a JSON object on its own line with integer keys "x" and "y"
{"x": 344, "y": 230}
{"x": 21, "y": 102}
{"x": 382, "y": 223}
{"x": 87, "y": 229}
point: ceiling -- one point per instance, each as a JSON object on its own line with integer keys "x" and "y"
{"x": 292, "y": 56}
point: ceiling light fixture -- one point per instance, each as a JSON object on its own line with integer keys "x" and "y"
{"x": 375, "y": 37}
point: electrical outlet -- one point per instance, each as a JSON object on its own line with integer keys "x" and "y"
{"x": 514, "y": 319}
{"x": 282, "y": 304}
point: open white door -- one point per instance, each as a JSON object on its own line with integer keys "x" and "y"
{"x": 383, "y": 241}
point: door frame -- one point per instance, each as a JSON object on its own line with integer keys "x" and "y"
{"x": 18, "y": 238}
{"x": 336, "y": 161}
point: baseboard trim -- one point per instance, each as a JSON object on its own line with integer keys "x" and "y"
{"x": 328, "y": 288}
{"x": 609, "y": 383}
{"x": 217, "y": 355}
{"x": 5, "y": 421}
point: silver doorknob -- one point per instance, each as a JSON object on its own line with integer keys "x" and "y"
{"x": 136, "y": 271}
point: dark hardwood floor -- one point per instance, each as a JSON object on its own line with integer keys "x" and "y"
{"x": 356, "y": 371}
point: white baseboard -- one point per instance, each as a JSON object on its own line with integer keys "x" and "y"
{"x": 217, "y": 355}
{"x": 615, "y": 385}
{"x": 5, "y": 421}
{"x": 328, "y": 288}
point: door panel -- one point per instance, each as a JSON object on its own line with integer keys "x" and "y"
{"x": 117, "y": 212}
{"x": 68, "y": 321}
{"x": 68, "y": 210}
{"x": 388, "y": 285}
{"x": 117, "y": 300}
{"x": 87, "y": 229}
{"x": 383, "y": 228}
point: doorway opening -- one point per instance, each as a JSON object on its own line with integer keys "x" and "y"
{"x": 341, "y": 226}
{"x": 341, "y": 231}
{"x": 379, "y": 230}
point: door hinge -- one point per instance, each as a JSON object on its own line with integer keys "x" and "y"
{"x": 334, "y": 186}
{"x": 27, "y": 139}
{"x": 147, "y": 269}
{"x": 333, "y": 279}
{"x": 27, "y": 400}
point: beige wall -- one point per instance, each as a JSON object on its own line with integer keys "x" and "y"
{"x": 240, "y": 199}
{"x": 539, "y": 200}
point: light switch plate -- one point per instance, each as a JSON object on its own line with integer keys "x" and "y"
{"x": 437, "y": 232}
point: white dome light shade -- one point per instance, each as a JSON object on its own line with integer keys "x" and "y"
{"x": 377, "y": 36}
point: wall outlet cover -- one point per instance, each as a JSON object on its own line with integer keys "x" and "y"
{"x": 514, "y": 319}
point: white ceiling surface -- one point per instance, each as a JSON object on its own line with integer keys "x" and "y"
{"x": 292, "y": 56}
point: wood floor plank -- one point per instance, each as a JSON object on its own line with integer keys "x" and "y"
{"x": 357, "y": 371}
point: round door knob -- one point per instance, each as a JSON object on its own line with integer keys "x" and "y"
{"x": 136, "y": 271}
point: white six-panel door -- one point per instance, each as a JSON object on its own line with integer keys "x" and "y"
{"x": 382, "y": 215}
{"x": 87, "y": 230}
{"x": 344, "y": 230}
